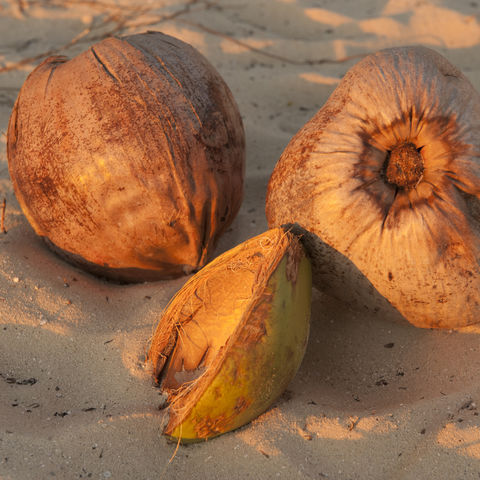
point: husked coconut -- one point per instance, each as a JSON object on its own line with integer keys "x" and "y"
{"x": 129, "y": 158}
{"x": 384, "y": 181}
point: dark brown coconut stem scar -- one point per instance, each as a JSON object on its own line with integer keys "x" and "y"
{"x": 404, "y": 166}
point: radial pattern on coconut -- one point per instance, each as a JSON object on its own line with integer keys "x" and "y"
{"x": 387, "y": 173}
{"x": 234, "y": 336}
{"x": 129, "y": 158}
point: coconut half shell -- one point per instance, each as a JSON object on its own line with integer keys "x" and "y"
{"x": 234, "y": 336}
{"x": 385, "y": 179}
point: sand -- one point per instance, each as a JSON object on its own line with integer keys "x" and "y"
{"x": 374, "y": 398}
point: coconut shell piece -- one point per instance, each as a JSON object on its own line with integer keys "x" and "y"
{"x": 129, "y": 158}
{"x": 234, "y": 336}
{"x": 384, "y": 181}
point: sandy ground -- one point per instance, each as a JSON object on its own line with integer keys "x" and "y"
{"x": 374, "y": 398}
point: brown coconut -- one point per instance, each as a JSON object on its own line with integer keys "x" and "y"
{"x": 129, "y": 158}
{"x": 385, "y": 181}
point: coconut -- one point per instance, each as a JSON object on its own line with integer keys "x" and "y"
{"x": 384, "y": 183}
{"x": 129, "y": 158}
{"x": 233, "y": 337}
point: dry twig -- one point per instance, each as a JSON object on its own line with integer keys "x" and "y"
{"x": 275, "y": 56}
{"x": 122, "y": 17}
{"x": 26, "y": 61}
{"x": 2, "y": 219}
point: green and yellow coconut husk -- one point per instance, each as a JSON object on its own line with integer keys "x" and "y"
{"x": 234, "y": 336}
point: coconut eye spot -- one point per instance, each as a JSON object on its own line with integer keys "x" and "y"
{"x": 403, "y": 166}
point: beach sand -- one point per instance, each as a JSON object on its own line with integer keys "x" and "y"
{"x": 374, "y": 398}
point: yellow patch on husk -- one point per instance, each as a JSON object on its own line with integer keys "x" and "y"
{"x": 234, "y": 336}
